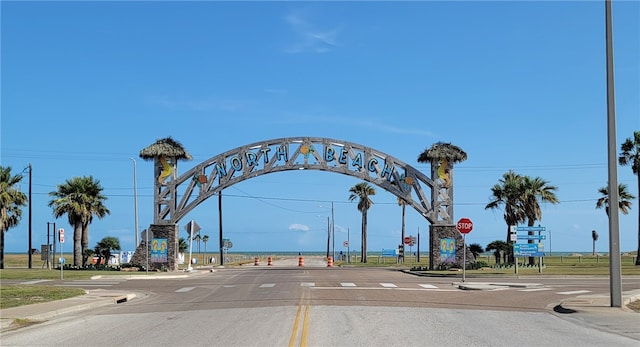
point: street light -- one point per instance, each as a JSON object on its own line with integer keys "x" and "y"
{"x": 30, "y": 168}
{"x": 135, "y": 201}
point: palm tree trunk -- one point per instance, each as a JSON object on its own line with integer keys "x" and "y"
{"x": 1, "y": 249}
{"x": 638, "y": 251}
{"x": 85, "y": 240}
{"x": 364, "y": 238}
{"x": 77, "y": 244}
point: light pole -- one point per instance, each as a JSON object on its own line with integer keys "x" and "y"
{"x": 333, "y": 234}
{"x": 135, "y": 201}
{"x": 30, "y": 168}
{"x": 615, "y": 277}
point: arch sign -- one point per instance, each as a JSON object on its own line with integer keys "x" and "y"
{"x": 177, "y": 195}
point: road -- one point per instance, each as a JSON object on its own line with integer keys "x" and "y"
{"x": 318, "y": 306}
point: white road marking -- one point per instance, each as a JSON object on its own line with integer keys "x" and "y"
{"x": 307, "y": 284}
{"x": 267, "y": 285}
{"x": 348, "y": 284}
{"x": 533, "y": 289}
{"x": 228, "y": 286}
{"x": 575, "y": 292}
{"x": 428, "y": 286}
{"x": 388, "y": 285}
{"x": 185, "y": 289}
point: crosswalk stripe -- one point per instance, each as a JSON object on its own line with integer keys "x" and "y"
{"x": 533, "y": 289}
{"x": 267, "y": 285}
{"x": 348, "y": 284}
{"x": 185, "y": 289}
{"x": 388, "y": 285}
{"x": 307, "y": 284}
{"x": 575, "y": 292}
{"x": 428, "y": 286}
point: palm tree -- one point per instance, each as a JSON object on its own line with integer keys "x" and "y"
{"x": 182, "y": 245}
{"x": 624, "y": 199}
{"x": 475, "y": 249}
{"x": 594, "y": 236}
{"x": 205, "y": 238}
{"x": 403, "y": 204}
{"x": 534, "y": 190}
{"x": 11, "y": 201}
{"x": 80, "y": 198}
{"x": 499, "y": 247}
{"x": 631, "y": 155}
{"x": 197, "y": 238}
{"x": 508, "y": 194}
{"x": 105, "y": 246}
{"x": 362, "y": 191}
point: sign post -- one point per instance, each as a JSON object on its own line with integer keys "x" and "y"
{"x": 464, "y": 226}
{"x": 61, "y": 239}
{"x": 191, "y": 228}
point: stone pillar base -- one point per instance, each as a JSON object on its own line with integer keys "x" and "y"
{"x": 159, "y": 231}
{"x": 437, "y": 234}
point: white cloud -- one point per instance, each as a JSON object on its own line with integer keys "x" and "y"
{"x": 298, "y": 227}
{"x": 308, "y": 37}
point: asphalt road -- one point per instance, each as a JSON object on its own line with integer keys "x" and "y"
{"x": 318, "y": 306}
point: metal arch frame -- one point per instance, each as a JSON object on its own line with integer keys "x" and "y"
{"x": 249, "y": 161}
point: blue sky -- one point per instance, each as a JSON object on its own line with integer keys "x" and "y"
{"x": 517, "y": 85}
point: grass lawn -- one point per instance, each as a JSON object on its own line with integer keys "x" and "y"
{"x": 18, "y": 295}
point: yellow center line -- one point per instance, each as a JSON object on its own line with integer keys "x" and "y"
{"x": 304, "y": 301}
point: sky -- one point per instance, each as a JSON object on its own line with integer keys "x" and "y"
{"x": 517, "y": 85}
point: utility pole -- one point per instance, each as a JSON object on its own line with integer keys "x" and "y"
{"x": 615, "y": 276}
{"x": 135, "y": 201}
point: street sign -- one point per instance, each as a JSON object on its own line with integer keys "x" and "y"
{"x": 346, "y": 243}
{"x": 532, "y": 237}
{"x": 538, "y": 228}
{"x": 196, "y": 227}
{"x": 528, "y": 249}
{"x": 61, "y": 235}
{"x": 406, "y": 240}
{"x": 61, "y": 260}
{"x": 465, "y": 225}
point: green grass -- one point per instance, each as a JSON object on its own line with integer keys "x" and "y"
{"x": 18, "y": 295}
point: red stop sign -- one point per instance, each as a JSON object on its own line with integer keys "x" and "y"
{"x": 465, "y": 225}
{"x": 406, "y": 240}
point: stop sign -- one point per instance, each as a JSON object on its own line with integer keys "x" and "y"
{"x": 465, "y": 225}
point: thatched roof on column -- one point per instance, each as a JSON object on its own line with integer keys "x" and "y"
{"x": 166, "y": 147}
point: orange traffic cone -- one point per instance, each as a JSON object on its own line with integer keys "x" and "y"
{"x": 329, "y": 261}
{"x": 301, "y": 261}
{"x": 269, "y": 261}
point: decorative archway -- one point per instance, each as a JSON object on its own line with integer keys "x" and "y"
{"x": 175, "y": 195}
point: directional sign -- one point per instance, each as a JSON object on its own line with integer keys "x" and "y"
{"x": 532, "y": 237}
{"x": 538, "y": 228}
{"x": 528, "y": 249}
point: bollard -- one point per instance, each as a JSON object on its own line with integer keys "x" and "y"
{"x": 301, "y": 261}
{"x": 256, "y": 261}
{"x": 329, "y": 261}
{"x": 269, "y": 261}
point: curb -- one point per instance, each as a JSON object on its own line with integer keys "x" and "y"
{"x": 7, "y": 321}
